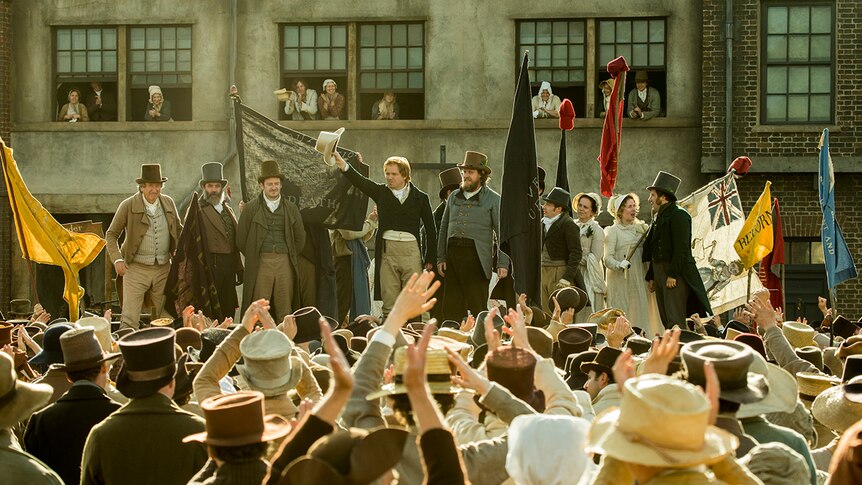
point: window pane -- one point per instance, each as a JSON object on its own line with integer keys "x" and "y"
{"x": 109, "y": 61}
{"x": 366, "y": 58}
{"x": 137, "y": 37}
{"x": 322, "y": 59}
{"x": 154, "y": 38}
{"x": 64, "y": 61}
{"x": 384, "y": 34}
{"x": 626, "y": 51}
{"x": 817, "y": 252}
{"x": 821, "y": 79}
{"x": 639, "y": 55}
{"x": 338, "y": 60}
{"x": 138, "y": 61}
{"x": 384, "y": 80}
{"x": 185, "y": 78}
{"x": 399, "y": 58}
{"x": 384, "y": 58}
{"x": 291, "y": 59}
{"x": 184, "y": 60}
{"x": 821, "y": 47}
{"x": 576, "y": 76}
{"x": 543, "y": 75}
{"x": 306, "y": 59}
{"x": 399, "y": 80}
{"x": 154, "y": 60}
{"x": 559, "y": 55}
{"x": 366, "y": 36}
{"x": 776, "y": 80}
{"x": 415, "y": 35}
{"x": 606, "y": 54}
{"x": 94, "y": 61}
{"x": 543, "y": 56}
{"x": 776, "y": 48}
{"x": 606, "y": 32}
{"x": 797, "y": 79}
{"x": 799, "y": 20}
{"x": 561, "y": 33}
{"x": 415, "y": 80}
{"x": 656, "y": 54}
{"x": 543, "y": 32}
{"x": 624, "y": 31}
{"x": 399, "y": 34}
{"x": 797, "y": 108}
{"x": 366, "y": 80}
{"x": 797, "y": 48}
{"x": 799, "y": 252}
{"x": 306, "y": 36}
{"x": 184, "y": 38}
{"x": 576, "y": 56}
{"x": 640, "y": 30}
{"x": 821, "y": 20}
{"x": 169, "y": 38}
{"x": 79, "y": 39}
{"x": 560, "y": 76}
{"x": 776, "y": 108}
{"x": 528, "y": 32}
{"x": 64, "y": 39}
{"x": 109, "y": 39}
{"x": 169, "y": 60}
{"x": 322, "y": 36}
{"x": 79, "y": 61}
{"x": 821, "y": 105}
{"x": 776, "y": 20}
{"x": 169, "y": 79}
{"x": 414, "y": 58}
{"x": 339, "y": 36}
{"x": 656, "y": 31}
{"x": 94, "y": 39}
{"x": 291, "y": 36}
{"x": 576, "y": 32}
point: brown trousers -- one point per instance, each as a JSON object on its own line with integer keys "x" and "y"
{"x": 551, "y": 275}
{"x": 139, "y": 280}
{"x": 275, "y": 282}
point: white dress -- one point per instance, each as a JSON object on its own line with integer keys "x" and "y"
{"x": 592, "y": 253}
{"x": 627, "y": 289}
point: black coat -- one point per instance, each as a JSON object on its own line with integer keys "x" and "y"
{"x": 56, "y": 434}
{"x": 563, "y": 243}
{"x": 414, "y": 214}
{"x": 669, "y": 239}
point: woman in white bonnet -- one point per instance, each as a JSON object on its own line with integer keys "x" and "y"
{"x": 546, "y": 104}
{"x": 330, "y": 103}
{"x": 549, "y": 450}
{"x": 158, "y": 108}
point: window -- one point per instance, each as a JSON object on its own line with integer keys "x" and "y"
{"x": 314, "y": 53}
{"x": 161, "y": 56}
{"x": 804, "y": 278}
{"x": 797, "y": 75}
{"x": 557, "y": 55}
{"x": 642, "y": 42}
{"x": 84, "y": 55}
{"x": 392, "y": 59}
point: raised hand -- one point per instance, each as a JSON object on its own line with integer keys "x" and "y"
{"x": 624, "y": 369}
{"x": 492, "y": 336}
{"x": 414, "y": 299}
{"x": 661, "y": 354}
{"x": 467, "y": 377}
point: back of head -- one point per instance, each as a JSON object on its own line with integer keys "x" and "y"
{"x": 547, "y": 449}
{"x": 776, "y": 464}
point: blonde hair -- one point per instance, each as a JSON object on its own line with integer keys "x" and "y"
{"x": 402, "y": 164}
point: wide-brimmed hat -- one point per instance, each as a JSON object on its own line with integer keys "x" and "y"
{"x": 752, "y": 340}
{"x": 360, "y": 328}
{"x": 541, "y": 341}
{"x": 641, "y": 76}
{"x": 454, "y": 334}
{"x": 149, "y": 362}
{"x": 514, "y": 369}
{"x": 687, "y": 336}
{"x": 437, "y": 372}
{"x": 798, "y": 334}
{"x": 558, "y": 196}
{"x": 20, "y": 307}
{"x": 270, "y": 364}
{"x": 475, "y": 160}
{"x": 603, "y": 362}
{"x": 237, "y": 420}
{"x": 354, "y": 456}
{"x": 477, "y": 356}
{"x": 189, "y": 337}
{"x": 5, "y": 334}
{"x": 82, "y": 350}
{"x": 661, "y": 422}
{"x": 307, "y": 326}
{"x": 569, "y": 297}
{"x": 590, "y": 195}
{"x": 667, "y": 184}
{"x": 358, "y": 344}
{"x": 811, "y": 354}
{"x": 841, "y": 327}
{"x": 738, "y": 328}
{"x": 102, "y": 327}
{"x": 576, "y": 379}
{"x": 478, "y": 335}
{"x": 850, "y": 346}
{"x": 212, "y": 172}
{"x": 18, "y": 400}
{"x": 783, "y": 390}
{"x": 52, "y": 352}
{"x": 731, "y": 361}
{"x": 450, "y": 179}
{"x": 616, "y": 201}
{"x": 638, "y": 345}
{"x": 327, "y": 143}
{"x": 813, "y": 384}
{"x": 832, "y": 409}
{"x": 269, "y": 169}
{"x": 151, "y": 173}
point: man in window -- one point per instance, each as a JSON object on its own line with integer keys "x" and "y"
{"x": 101, "y": 105}
{"x": 644, "y": 100}
{"x": 302, "y": 103}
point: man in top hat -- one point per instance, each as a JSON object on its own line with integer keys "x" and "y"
{"x": 466, "y": 253}
{"x": 219, "y": 226}
{"x": 152, "y": 227}
{"x": 57, "y": 434}
{"x": 672, "y": 272}
{"x": 142, "y": 441}
{"x": 644, "y": 100}
{"x": 270, "y": 235}
{"x": 561, "y": 245}
{"x": 450, "y": 179}
{"x": 403, "y": 211}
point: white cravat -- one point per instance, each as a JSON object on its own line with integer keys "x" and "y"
{"x": 272, "y": 204}
{"x": 550, "y": 222}
{"x": 220, "y": 207}
{"x": 402, "y": 193}
{"x": 642, "y": 95}
{"x": 151, "y": 208}
{"x": 468, "y": 195}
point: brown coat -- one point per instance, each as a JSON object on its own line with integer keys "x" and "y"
{"x": 131, "y": 217}
{"x": 217, "y": 239}
{"x": 250, "y": 234}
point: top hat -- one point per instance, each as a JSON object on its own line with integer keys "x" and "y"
{"x": 641, "y": 76}
{"x": 81, "y": 350}
{"x": 638, "y": 345}
{"x": 475, "y": 160}
{"x": 20, "y": 307}
{"x": 238, "y": 420}
{"x": 269, "y": 169}
{"x": 450, "y": 179}
{"x": 603, "y": 362}
{"x": 752, "y": 340}
{"x": 149, "y": 362}
{"x": 558, "y": 196}
{"x": 269, "y": 363}
{"x": 569, "y": 297}
{"x": 576, "y": 379}
{"x": 18, "y": 400}
{"x": 327, "y": 143}
{"x": 514, "y": 368}
{"x": 841, "y": 327}
{"x": 307, "y": 328}
{"x": 574, "y": 340}
{"x": 437, "y": 372}
{"x": 666, "y": 183}
{"x": 210, "y": 339}
{"x": 852, "y": 368}
{"x": 212, "y": 172}
{"x": 593, "y": 328}
{"x": 52, "y": 352}
{"x": 151, "y": 173}
{"x": 731, "y": 361}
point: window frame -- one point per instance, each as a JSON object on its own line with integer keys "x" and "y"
{"x": 360, "y": 71}
{"x": 519, "y": 52}
{"x": 129, "y": 50}
{"x": 765, "y": 64}
{"x": 72, "y": 76}
{"x": 633, "y": 67}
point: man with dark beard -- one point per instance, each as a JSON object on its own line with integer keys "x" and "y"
{"x": 219, "y": 226}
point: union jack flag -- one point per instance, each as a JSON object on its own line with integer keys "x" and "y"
{"x": 724, "y": 205}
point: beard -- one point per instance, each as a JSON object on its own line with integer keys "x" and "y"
{"x": 215, "y": 198}
{"x": 469, "y": 186}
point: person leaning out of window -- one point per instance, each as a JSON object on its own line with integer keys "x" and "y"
{"x": 74, "y": 110}
{"x": 301, "y": 103}
{"x": 158, "y": 108}
{"x": 385, "y": 108}
{"x": 644, "y": 100}
{"x": 330, "y": 103}
{"x": 546, "y": 104}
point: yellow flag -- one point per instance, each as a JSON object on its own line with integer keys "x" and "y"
{"x": 755, "y": 239}
{"x": 43, "y": 239}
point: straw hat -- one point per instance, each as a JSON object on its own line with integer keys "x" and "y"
{"x": 812, "y": 385}
{"x": 81, "y": 350}
{"x": 453, "y": 334}
{"x": 162, "y": 322}
{"x": 237, "y": 420}
{"x": 782, "y": 390}
{"x": 282, "y": 94}
{"x": 270, "y": 365}
{"x": 18, "y": 400}
{"x": 327, "y": 143}
{"x": 798, "y": 334}
{"x": 102, "y": 327}
{"x": 661, "y": 422}
{"x": 835, "y": 411}
{"x": 436, "y": 369}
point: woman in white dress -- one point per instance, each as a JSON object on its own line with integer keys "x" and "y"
{"x": 627, "y": 289}
{"x": 587, "y": 207}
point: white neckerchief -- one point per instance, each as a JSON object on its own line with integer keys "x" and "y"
{"x": 468, "y": 195}
{"x": 272, "y": 204}
{"x": 402, "y": 193}
{"x": 219, "y": 207}
{"x": 151, "y": 208}
{"x": 550, "y": 222}
{"x": 642, "y": 95}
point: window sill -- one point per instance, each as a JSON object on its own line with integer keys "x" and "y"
{"x": 120, "y": 126}
{"x": 794, "y": 128}
{"x": 483, "y": 124}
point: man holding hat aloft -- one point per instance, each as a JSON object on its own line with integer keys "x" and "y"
{"x": 152, "y": 227}
{"x": 561, "y": 245}
{"x": 219, "y": 227}
{"x": 270, "y": 235}
{"x": 142, "y": 441}
{"x": 672, "y": 273}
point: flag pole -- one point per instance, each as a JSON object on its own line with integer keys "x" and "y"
{"x": 18, "y": 224}
{"x": 748, "y": 288}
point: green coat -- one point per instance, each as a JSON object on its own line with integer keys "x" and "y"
{"x": 669, "y": 239}
{"x": 141, "y": 443}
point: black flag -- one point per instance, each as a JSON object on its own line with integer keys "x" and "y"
{"x": 562, "y": 171}
{"x": 520, "y": 214}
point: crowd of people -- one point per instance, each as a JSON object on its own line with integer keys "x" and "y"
{"x": 618, "y": 375}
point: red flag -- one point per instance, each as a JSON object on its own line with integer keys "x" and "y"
{"x": 612, "y": 129}
{"x": 770, "y": 266}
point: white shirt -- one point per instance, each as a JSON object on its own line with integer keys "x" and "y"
{"x": 151, "y": 208}
{"x": 468, "y": 195}
{"x": 549, "y": 222}
{"x": 402, "y": 193}
{"x": 220, "y": 207}
{"x": 642, "y": 95}
{"x": 271, "y": 204}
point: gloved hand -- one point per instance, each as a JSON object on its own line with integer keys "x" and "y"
{"x": 625, "y": 264}
{"x": 536, "y": 114}
{"x": 563, "y": 283}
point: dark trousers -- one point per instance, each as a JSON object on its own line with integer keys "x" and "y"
{"x": 344, "y": 284}
{"x": 466, "y": 283}
{"x": 672, "y": 302}
{"x": 223, "y": 268}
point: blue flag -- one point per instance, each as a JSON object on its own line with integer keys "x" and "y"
{"x": 839, "y": 263}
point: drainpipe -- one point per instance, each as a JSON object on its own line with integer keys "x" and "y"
{"x": 728, "y": 83}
